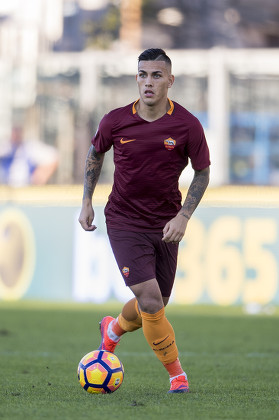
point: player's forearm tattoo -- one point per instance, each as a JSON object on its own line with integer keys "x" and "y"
{"x": 93, "y": 166}
{"x": 195, "y": 192}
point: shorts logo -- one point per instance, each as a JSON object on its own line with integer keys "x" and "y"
{"x": 126, "y": 271}
{"x": 169, "y": 143}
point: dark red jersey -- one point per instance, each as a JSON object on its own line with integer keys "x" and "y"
{"x": 149, "y": 158}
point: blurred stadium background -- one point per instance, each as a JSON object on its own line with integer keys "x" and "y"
{"x": 64, "y": 63}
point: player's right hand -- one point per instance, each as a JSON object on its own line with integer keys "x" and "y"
{"x": 86, "y": 218}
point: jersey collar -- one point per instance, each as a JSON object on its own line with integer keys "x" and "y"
{"x": 170, "y": 111}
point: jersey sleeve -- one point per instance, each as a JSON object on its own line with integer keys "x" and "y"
{"x": 197, "y": 148}
{"x": 102, "y": 141}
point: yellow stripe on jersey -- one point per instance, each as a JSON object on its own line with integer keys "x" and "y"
{"x": 170, "y": 111}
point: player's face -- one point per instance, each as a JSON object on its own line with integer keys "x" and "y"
{"x": 154, "y": 78}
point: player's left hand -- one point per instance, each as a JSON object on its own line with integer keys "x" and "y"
{"x": 174, "y": 230}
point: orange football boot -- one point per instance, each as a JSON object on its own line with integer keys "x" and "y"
{"x": 179, "y": 385}
{"x": 106, "y": 343}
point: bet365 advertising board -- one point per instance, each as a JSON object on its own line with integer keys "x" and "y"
{"x": 229, "y": 256}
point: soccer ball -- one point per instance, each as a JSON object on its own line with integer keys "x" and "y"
{"x": 100, "y": 372}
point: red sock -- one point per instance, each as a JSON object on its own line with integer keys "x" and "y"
{"x": 174, "y": 368}
{"x": 116, "y": 328}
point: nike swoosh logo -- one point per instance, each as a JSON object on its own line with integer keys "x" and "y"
{"x": 157, "y": 344}
{"x": 126, "y": 141}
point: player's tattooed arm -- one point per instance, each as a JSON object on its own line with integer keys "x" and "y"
{"x": 195, "y": 193}
{"x": 93, "y": 166}
{"x": 174, "y": 230}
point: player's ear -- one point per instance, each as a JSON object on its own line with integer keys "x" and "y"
{"x": 171, "y": 81}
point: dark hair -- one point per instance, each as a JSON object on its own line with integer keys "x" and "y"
{"x": 154, "y": 54}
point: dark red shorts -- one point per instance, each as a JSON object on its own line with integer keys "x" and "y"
{"x": 144, "y": 256}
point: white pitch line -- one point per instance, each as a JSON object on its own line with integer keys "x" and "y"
{"x": 144, "y": 354}
{"x": 196, "y": 354}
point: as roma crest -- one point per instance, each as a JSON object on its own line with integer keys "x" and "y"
{"x": 169, "y": 143}
{"x": 126, "y": 271}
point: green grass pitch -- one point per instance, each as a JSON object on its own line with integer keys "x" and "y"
{"x": 232, "y": 361}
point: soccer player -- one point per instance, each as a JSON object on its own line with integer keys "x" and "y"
{"x": 153, "y": 139}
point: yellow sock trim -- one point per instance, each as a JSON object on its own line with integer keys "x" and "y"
{"x": 129, "y": 325}
{"x": 130, "y": 317}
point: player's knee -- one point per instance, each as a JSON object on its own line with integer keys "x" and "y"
{"x": 149, "y": 296}
{"x": 151, "y": 304}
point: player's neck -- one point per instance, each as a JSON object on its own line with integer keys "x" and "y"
{"x": 152, "y": 112}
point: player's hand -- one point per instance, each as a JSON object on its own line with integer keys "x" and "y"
{"x": 86, "y": 217}
{"x": 174, "y": 230}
